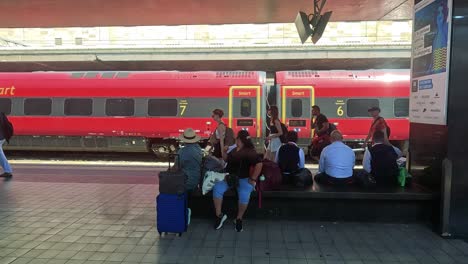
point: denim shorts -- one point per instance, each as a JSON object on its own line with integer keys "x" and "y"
{"x": 244, "y": 190}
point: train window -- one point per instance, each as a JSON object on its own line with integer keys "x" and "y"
{"x": 296, "y": 107}
{"x": 78, "y": 107}
{"x": 246, "y": 107}
{"x": 401, "y": 107}
{"x": 120, "y": 107}
{"x": 5, "y": 105}
{"x": 37, "y": 106}
{"x": 162, "y": 107}
{"x": 359, "y": 107}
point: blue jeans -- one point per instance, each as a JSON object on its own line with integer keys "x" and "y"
{"x": 244, "y": 190}
{"x": 3, "y": 160}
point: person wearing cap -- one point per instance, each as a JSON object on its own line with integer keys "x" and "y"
{"x": 378, "y": 124}
{"x": 190, "y": 158}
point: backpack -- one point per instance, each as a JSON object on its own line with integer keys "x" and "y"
{"x": 7, "y": 127}
{"x": 386, "y": 125}
{"x": 283, "y": 137}
{"x": 229, "y": 138}
{"x": 273, "y": 177}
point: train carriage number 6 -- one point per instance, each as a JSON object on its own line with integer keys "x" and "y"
{"x": 339, "y": 110}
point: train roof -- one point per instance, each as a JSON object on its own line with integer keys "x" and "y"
{"x": 342, "y": 75}
{"x": 138, "y": 75}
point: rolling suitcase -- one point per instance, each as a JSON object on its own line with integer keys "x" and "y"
{"x": 171, "y": 213}
{"x": 171, "y": 203}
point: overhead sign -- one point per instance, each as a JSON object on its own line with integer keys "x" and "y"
{"x": 430, "y": 61}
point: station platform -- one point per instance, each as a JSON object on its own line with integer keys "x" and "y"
{"x": 106, "y": 214}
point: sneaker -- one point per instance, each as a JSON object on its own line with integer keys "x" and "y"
{"x": 220, "y": 221}
{"x": 6, "y": 175}
{"x": 238, "y": 223}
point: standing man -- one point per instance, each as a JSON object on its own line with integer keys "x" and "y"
{"x": 322, "y": 131}
{"x": 5, "y": 134}
{"x": 378, "y": 124}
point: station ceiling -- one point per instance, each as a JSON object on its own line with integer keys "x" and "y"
{"x": 89, "y": 13}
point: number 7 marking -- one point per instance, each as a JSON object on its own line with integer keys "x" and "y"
{"x": 182, "y": 109}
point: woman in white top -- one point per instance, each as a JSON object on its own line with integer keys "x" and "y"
{"x": 275, "y": 133}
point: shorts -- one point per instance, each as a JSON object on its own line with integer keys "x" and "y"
{"x": 244, "y": 190}
{"x": 275, "y": 145}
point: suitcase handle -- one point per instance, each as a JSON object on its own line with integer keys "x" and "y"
{"x": 176, "y": 157}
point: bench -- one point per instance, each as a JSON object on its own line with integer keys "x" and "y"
{"x": 331, "y": 203}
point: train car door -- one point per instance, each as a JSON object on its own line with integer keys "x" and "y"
{"x": 296, "y": 110}
{"x": 245, "y": 109}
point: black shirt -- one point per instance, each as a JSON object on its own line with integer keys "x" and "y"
{"x": 319, "y": 121}
{"x": 239, "y": 162}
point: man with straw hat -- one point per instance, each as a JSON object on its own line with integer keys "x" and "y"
{"x": 190, "y": 160}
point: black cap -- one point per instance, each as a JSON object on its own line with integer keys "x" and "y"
{"x": 374, "y": 108}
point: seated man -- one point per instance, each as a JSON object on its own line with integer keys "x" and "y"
{"x": 290, "y": 157}
{"x": 381, "y": 161}
{"x": 336, "y": 162}
{"x": 190, "y": 160}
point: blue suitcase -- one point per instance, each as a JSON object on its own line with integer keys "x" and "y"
{"x": 171, "y": 213}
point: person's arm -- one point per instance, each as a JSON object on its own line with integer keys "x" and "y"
{"x": 366, "y": 163}
{"x": 324, "y": 129}
{"x": 301, "y": 158}
{"x": 222, "y": 134}
{"x": 257, "y": 171}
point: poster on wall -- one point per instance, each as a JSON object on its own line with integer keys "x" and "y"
{"x": 430, "y": 61}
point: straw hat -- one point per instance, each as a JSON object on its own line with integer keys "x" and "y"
{"x": 189, "y": 136}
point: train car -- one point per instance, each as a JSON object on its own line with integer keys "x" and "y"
{"x": 344, "y": 97}
{"x": 127, "y": 111}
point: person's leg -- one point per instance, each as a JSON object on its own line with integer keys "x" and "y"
{"x": 321, "y": 178}
{"x": 244, "y": 190}
{"x": 218, "y": 192}
{"x": 3, "y": 161}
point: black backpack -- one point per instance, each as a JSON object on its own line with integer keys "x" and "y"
{"x": 283, "y": 137}
{"x": 7, "y": 127}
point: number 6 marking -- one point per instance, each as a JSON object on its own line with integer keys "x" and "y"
{"x": 340, "y": 111}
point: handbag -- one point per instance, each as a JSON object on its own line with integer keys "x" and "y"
{"x": 211, "y": 178}
{"x": 302, "y": 178}
{"x": 232, "y": 180}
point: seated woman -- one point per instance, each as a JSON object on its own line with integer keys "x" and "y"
{"x": 239, "y": 162}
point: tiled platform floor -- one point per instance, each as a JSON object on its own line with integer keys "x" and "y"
{"x": 72, "y": 222}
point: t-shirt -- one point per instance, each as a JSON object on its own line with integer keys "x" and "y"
{"x": 378, "y": 125}
{"x": 240, "y": 161}
{"x": 319, "y": 121}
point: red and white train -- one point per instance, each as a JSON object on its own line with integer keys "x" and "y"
{"x": 140, "y": 111}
